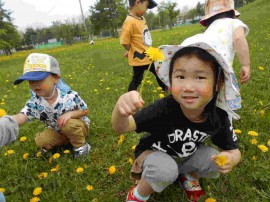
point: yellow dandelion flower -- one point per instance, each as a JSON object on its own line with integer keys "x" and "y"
{"x": 253, "y": 133}
{"x": 121, "y": 139}
{"x": 25, "y": 155}
{"x": 34, "y": 199}
{"x": 89, "y": 187}
{"x": 154, "y": 54}
{"x": 253, "y": 141}
{"x": 2, "y": 190}
{"x": 262, "y": 112}
{"x": 2, "y": 112}
{"x": 23, "y": 139}
{"x": 268, "y": 142}
{"x": 210, "y": 200}
{"x": 161, "y": 95}
{"x": 154, "y": 91}
{"x": 50, "y": 160}
{"x": 112, "y": 170}
{"x": 9, "y": 152}
{"x": 263, "y": 148}
{"x": 66, "y": 151}
{"x": 38, "y": 154}
{"x": 221, "y": 160}
{"x": 56, "y": 156}
{"x": 261, "y": 68}
{"x": 237, "y": 131}
{"x": 130, "y": 161}
{"x": 37, "y": 191}
{"x": 79, "y": 170}
{"x": 55, "y": 169}
{"x": 159, "y": 88}
{"x": 254, "y": 158}
{"x": 133, "y": 147}
{"x": 108, "y": 88}
{"x": 42, "y": 175}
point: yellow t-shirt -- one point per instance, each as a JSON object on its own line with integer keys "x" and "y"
{"x": 135, "y": 32}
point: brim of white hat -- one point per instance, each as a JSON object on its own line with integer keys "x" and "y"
{"x": 32, "y": 76}
{"x": 199, "y": 41}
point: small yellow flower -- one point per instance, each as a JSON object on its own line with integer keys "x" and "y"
{"x": 261, "y": 68}
{"x": 34, "y": 199}
{"x": 121, "y": 139}
{"x": 55, "y": 169}
{"x": 263, "y": 148}
{"x": 159, "y": 88}
{"x": 237, "y": 131}
{"x": 262, "y": 112}
{"x": 38, "y": 154}
{"x": 50, "y": 160}
{"x": 79, "y": 170}
{"x": 37, "y": 191}
{"x": 25, "y": 155}
{"x": 23, "y": 139}
{"x": 154, "y": 91}
{"x": 154, "y": 54}
{"x": 253, "y": 133}
{"x": 2, "y": 112}
{"x": 133, "y": 147}
{"x": 253, "y": 141}
{"x": 130, "y": 161}
{"x": 89, "y": 187}
{"x": 254, "y": 158}
{"x": 56, "y": 156}
{"x": 268, "y": 142}
{"x": 112, "y": 170}
{"x": 221, "y": 160}
{"x": 9, "y": 152}
{"x": 210, "y": 200}
{"x": 66, "y": 151}
{"x": 108, "y": 88}
{"x": 2, "y": 190}
{"x": 161, "y": 95}
{"x": 42, "y": 175}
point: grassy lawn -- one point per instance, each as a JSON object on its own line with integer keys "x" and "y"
{"x": 101, "y": 74}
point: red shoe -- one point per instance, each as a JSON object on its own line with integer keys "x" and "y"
{"x": 192, "y": 188}
{"x": 131, "y": 197}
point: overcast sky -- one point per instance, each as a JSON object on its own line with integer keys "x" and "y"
{"x": 41, "y": 13}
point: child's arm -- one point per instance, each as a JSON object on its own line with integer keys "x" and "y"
{"x": 20, "y": 118}
{"x": 127, "y": 47}
{"x": 242, "y": 50}
{"x": 233, "y": 157}
{"x": 62, "y": 120}
{"x": 126, "y": 106}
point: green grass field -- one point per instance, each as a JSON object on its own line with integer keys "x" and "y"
{"x": 100, "y": 74}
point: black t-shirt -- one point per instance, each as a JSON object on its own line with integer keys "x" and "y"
{"x": 171, "y": 132}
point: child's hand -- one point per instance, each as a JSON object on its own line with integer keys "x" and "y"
{"x": 129, "y": 103}
{"x": 224, "y": 161}
{"x": 245, "y": 73}
{"x": 63, "y": 119}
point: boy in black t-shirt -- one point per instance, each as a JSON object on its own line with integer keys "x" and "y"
{"x": 178, "y": 124}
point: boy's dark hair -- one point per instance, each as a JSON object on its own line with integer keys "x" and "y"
{"x": 210, "y": 108}
{"x": 132, "y": 2}
{"x": 227, "y": 14}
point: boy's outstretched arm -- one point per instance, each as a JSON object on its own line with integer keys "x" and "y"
{"x": 242, "y": 50}
{"x": 233, "y": 157}
{"x": 62, "y": 120}
{"x": 126, "y": 106}
{"x": 20, "y": 118}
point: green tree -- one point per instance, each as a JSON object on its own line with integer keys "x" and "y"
{"x": 169, "y": 11}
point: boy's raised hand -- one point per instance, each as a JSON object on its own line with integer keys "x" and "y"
{"x": 129, "y": 103}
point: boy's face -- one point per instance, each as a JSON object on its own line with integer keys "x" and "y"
{"x": 141, "y": 7}
{"x": 192, "y": 82}
{"x": 44, "y": 87}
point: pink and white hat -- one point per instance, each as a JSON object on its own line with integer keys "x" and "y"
{"x": 228, "y": 97}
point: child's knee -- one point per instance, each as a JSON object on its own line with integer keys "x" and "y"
{"x": 73, "y": 124}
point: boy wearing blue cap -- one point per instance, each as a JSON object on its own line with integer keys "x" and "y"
{"x": 53, "y": 103}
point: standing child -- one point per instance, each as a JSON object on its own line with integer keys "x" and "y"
{"x": 53, "y": 103}
{"x": 178, "y": 124}
{"x": 230, "y": 33}
{"x": 136, "y": 39}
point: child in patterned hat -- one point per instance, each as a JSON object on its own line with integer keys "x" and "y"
{"x": 54, "y": 104}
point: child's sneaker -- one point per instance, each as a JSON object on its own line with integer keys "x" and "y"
{"x": 131, "y": 197}
{"x": 82, "y": 151}
{"x": 192, "y": 188}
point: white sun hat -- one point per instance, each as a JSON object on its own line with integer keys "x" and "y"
{"x": 228, "y": 97}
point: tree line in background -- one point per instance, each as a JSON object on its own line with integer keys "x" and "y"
{"x": 105, "y": 19}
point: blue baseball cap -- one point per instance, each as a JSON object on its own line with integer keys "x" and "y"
{"x": 32, "y": 76}
{"x": 152, "y": 4}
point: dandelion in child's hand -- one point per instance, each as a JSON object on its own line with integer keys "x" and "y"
{"x": 2, "y": 112}
{"x": 2, "y": 190}
{"x": 37, "y": 191}
{"x": 89, "y": 187}
{"x": 155, "y": 54}
{"x": 42, "y": 175}
{"x": 56, "y": 155}
{"x": 35, "y": 199}
{"x": 79, "y": 170}
{"x": 221, "y": 160}
{"x": 263, "y": 148}
{"x": 25, "y": 155}
{"x": 23, "y": 139}
{"x": 112, "y": 170}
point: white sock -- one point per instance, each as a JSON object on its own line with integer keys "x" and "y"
{"x": 138, "y": 196}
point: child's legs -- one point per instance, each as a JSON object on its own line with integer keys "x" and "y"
{"x": 137, "y": 77}
{"x": 50, "y": 138}
{"x": 160, "y": 83}
{"x": 75, "y": 130}
{"x": 201, "y": 164}
{"x": 159, "y": 171}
